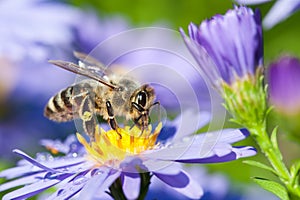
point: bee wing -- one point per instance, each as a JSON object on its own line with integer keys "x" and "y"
{"x": 87, "y": 59}
{"x": 90, "y": 71}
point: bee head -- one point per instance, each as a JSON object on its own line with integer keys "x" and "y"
{"x": 143, "y": 99}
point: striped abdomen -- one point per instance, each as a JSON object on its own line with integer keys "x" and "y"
{"x": 64, "y": 105}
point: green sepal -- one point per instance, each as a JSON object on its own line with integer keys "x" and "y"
{"x": 273, "y": 187}
{"x": 275, "y": 143}
{"x": 259, "y": 165}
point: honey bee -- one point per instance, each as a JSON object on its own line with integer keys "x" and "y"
{"x": 104, "y": 94}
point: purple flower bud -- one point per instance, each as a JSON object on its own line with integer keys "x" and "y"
{"x": 227, "y": 46}
{"x": 284, "y": 81}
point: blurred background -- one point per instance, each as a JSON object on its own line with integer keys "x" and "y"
{"x": 34, "y": 31}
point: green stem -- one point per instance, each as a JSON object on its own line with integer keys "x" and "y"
{"x": 144, "y": 186}
{"x": 116, "y": 190}
{"x": 271, "y": 152}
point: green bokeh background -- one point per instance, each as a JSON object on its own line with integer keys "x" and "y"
{"x": 179, "y": 13}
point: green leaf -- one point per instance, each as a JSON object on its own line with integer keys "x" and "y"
{"x": 260, "y": 165}
{"x": 295, "y": 168}
{"x": 273, "y": 187}
{"x": 275, "y": 143}
{"x": 295, "y": 172}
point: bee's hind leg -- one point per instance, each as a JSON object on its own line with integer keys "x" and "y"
{"x": 111, "y": 118}
{"x": 87, "y": 116}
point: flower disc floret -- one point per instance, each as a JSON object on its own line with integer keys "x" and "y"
{"x": 114, "y": 145}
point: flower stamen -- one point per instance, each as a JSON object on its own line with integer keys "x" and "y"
{"x": 108, "y": 147}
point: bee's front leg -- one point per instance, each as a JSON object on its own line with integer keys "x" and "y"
{"x": 111, "y": 117}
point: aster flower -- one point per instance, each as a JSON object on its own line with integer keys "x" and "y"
{"x": 280, "y": 11}
{"x": 123, "y": 158}
{"x": 229, "y": 52}
{"x": 228, "y": 49}
{"x": 284, "y": 78}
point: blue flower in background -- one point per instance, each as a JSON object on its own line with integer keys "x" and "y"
{"x": 34, "y": 29}
{"x": 33, "y": 33}
{"x": 89, "y": 173}
{"x": 91, "y": 31}
{"x": 284, "y": 79}
{"x": 280, "y": 11}
{"x": 227, "y": 47}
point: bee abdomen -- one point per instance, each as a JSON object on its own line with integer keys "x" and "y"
{"x": 59, "y": 107}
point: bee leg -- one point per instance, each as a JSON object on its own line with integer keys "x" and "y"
{"x": 87, "y": 116}
{"x": 143, "y": 114}
{"x": 111, "y": 118}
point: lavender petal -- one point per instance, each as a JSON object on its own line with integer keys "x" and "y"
{"x": 199, "y": 146}
{"x": 131, "y": 187}
{"x": 182, "y": 183}
{"x": 100, "y": 181}
{"x": 56, "y": 165}
{"x": 189, "y": 122}
{"x": 72, "y": 187}
{"x": 21, "y": 181}
{"x": 33, "y": 161}
{"x": 31, "y": 190}
{"x": 251, "y": 2}
{"x": 281, "y": 10}
{"x": 236, "y": 153}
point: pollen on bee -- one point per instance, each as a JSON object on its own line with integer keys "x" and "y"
{"x": 86, "y": 116}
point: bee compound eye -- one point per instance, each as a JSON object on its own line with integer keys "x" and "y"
{"x": 141, "y": 98}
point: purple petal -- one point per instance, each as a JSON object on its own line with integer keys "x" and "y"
{"x": 236, "y": 153}
{"x": 182, "y": 183}
{"x": 131, "y": 187}
{"x": 33, "y": 161}
{"x": 281, "y": 10}
{"x": 242, "y": 152}
{"x": 179, "y": 180}
{"x": 130, "y": 164}
{"x": 72, "y": 187}
{"x": 17, "y": 171}
{"x": 189, "y": 122}
{"x": 199, "y": 146}
{"x": 57, "y": 164}
{"x": 164, "y": 167}
{"x": 100, "y": 181}
{"x": 31, "y": 189}
{"x": 232, "y": 41}
{"x": 21, "y": 181}
{"x": 207, "y": 65}
{"x": 251, "y": 2}
{"x": 70, "y": 145}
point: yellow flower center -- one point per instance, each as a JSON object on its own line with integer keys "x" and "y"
{"x": 109, "y": 147}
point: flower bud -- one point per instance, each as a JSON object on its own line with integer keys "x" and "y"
{"x": 284, "y": 91}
